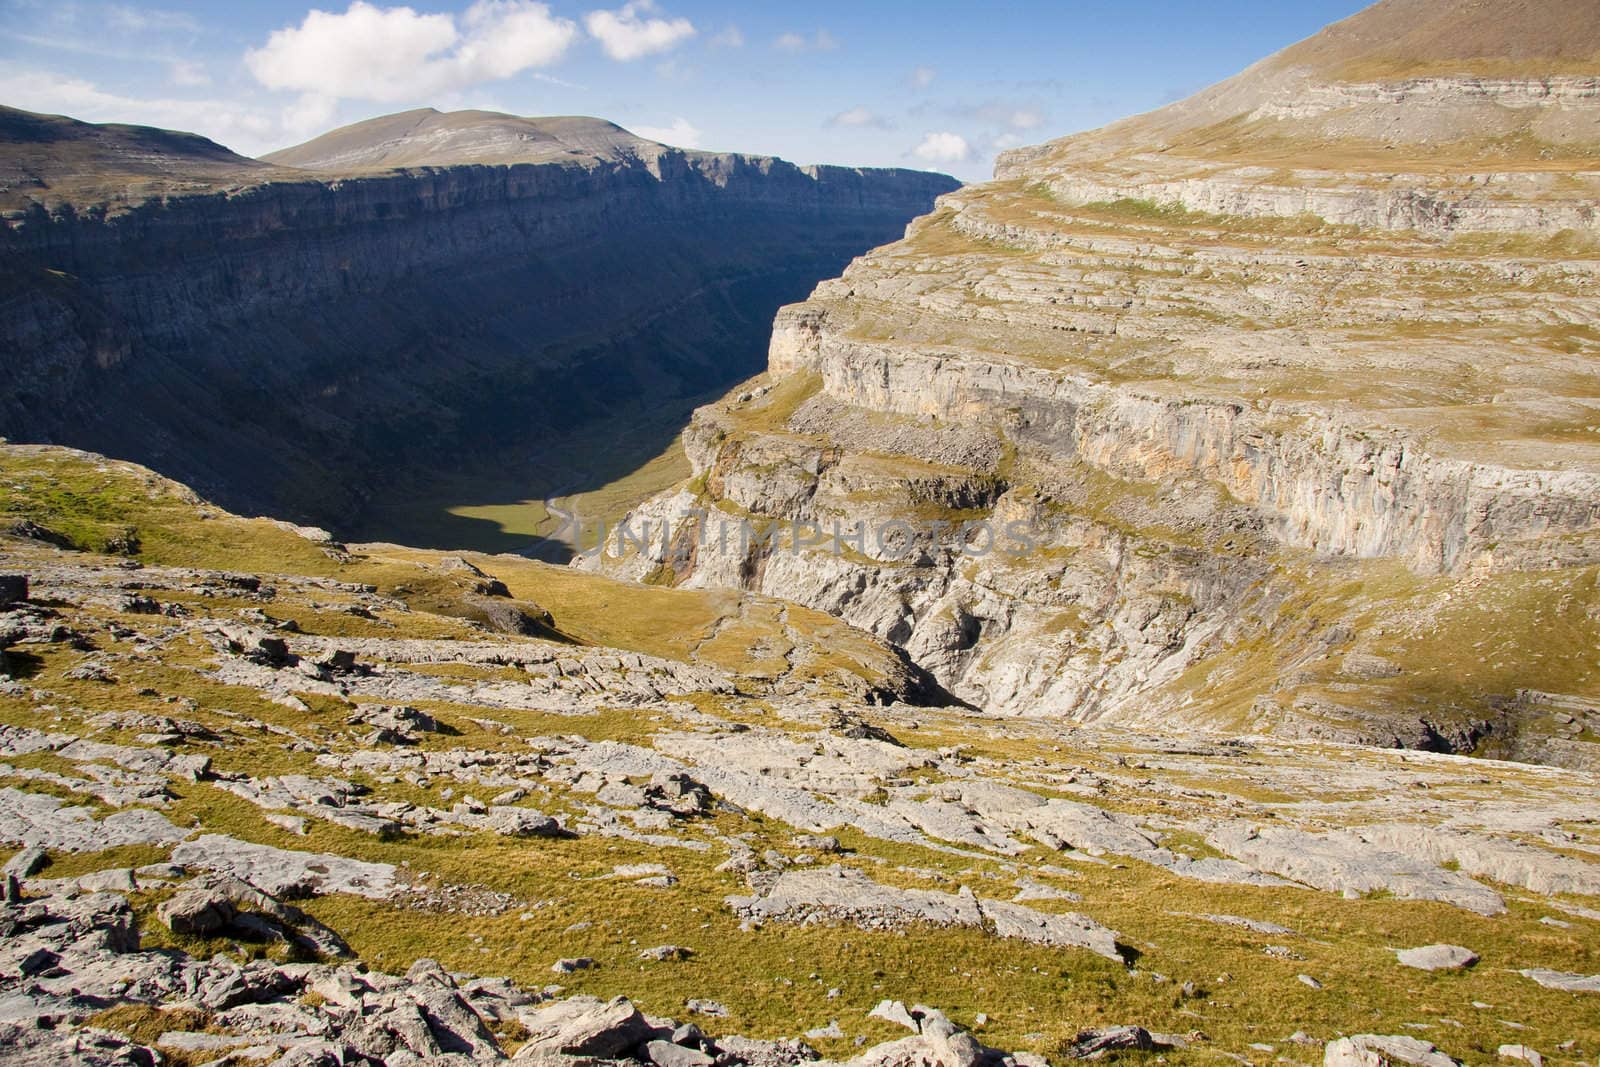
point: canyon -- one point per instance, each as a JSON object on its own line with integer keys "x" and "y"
{"x": 1147, "y": 610}
{"x": 299, "y": 340}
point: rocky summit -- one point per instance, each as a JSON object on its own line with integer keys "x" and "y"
{"x": 1147, "y": 612}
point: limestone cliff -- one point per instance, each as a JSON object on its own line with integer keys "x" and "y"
{"x": 284, "y": 339}
{"x": 1298, "y": 459}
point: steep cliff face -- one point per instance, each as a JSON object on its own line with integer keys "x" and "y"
{"x": 1283, "y": 466}
{"x": 284, "y": 340}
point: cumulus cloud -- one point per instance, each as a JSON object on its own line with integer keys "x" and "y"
{"x": 1001, "y": 113}
{"x": 625, "y": 35}
{"x": 730, "y": 37}
{"x": 377, "y": 53}
{"x": 821, "y": 41}
{"x": 860, "y": 116}
{"x": 943, "y": 147}
{"x": 923, "y": 77}
{"x": 681, "y": 133}
{"x": 244, "y": 127}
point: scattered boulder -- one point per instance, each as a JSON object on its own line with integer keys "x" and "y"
{"x": 1521, "y": 1052}
{"x": 584, "y": 1026}
{"x": 514, "y": 617}
{"x": 255, "y": 645}
{"x": 13, "y": 589}
{"x": 1098, "y": 1043}
{"x": 676, "y": 792}
{"x": 894, "y": 1011}
{"x": 522, "y": 822}
{"x": 572, "y": 965}
{"x": 666, "y": 953}
{"x": 1437, "y": 957}
{"x": 200, "y": 912}
{"x": 32, "y": 531}
{"x": 396, "y": 717}
{"x": 26, "y": 863}
{"x": 1377, "y": 1050}
{"x": 671, "y": 1054}
{"x": 1570, "y": 983}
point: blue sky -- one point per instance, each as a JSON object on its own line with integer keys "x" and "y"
{"x": 921, "y": 83}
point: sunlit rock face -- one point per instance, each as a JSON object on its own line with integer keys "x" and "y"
{"x": 1293, "y": 380}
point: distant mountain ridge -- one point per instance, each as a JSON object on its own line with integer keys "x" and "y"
{"x": 294, "y": 340}
{"x": 429, "y": 138}
{"x": 1436, "y": 86}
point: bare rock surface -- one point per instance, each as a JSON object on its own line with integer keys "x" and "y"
{"x": 840, "y": 894}
{"x": 284, "y": 872}
{"x": 35, "y": 819}
{"x": 1574, "y": 983}
{"x": 1376, "y": 1050}
{"x": 1342, "y": 863}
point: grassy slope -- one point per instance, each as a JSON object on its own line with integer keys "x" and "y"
{"x": 776, "y": 980}
{"x": 92, "y": 501}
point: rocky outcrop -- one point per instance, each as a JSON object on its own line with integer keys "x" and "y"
{"x": 67, "y": 958}
{"x": 1343, "y": 490}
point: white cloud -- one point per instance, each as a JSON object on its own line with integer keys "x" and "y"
{"x": 1006, "y": 140}
{"x": 625, "y": 36}
{"x": 681, "y": 133}
{"x": 127, "y": 17}
{"x": 182, "y": 72}
{"x": 860, "y": 116}
{"x": 995, "y": 113}
{"x": 923, "y": 77}
{"x": 246, "y": 128}
{"x": 506, "y": 37}
{"x": 731, "y": 37}
{"x": 821, "y": 41}
{"x": 375, "y": 53}
{"x": 943, "y": 147}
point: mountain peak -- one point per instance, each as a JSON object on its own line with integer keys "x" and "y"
{"x": 63, "y": 157}
{"x": 1486, "y": 38}
{"x": 1422, "y": 85}
{"x": 427, "y": 137}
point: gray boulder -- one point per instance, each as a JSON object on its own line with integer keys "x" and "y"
{"x": 1437, "y": 957}
{"x": 200, "y": 912}
{"x": 1097, "y": 1044}
{"x": 1570, "y": 983}
{"x": 668, "y": 1054}
{"x": 584, "y": 1026}
{"x": 1378, "y": 1050}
